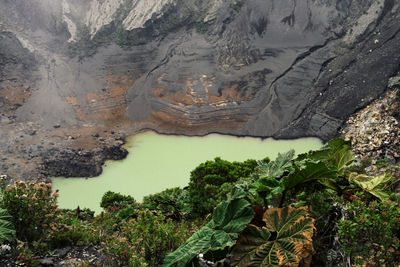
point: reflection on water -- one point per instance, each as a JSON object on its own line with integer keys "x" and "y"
{"x": 157, "y": 162}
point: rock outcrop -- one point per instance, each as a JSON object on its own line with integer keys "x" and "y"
{"x": 286, "y": 69}
{"x": 79, "y": 162}
{"x": 375, "y": 130}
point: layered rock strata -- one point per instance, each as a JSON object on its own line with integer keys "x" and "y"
{"x": 286, "y": 69}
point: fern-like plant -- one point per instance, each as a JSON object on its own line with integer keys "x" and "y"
{"x": 7, "y": 232}
{"x": 286, "y": 239}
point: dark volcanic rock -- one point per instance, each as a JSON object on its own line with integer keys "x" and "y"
{"x": 78, "y": 163}
{"x": 67, "y": 256}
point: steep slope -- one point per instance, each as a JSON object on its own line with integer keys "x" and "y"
{"x": 81, "y": 73}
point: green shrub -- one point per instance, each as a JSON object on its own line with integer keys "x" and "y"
{"x": 370, "y": 232}
{"x": 106, "y": 222}
{"x": 66, "y": 237}
{"x": 69, "y": 230}
{"x": 126, "y": 214}
{"x": 39, "y": 222}
{"x": 33, "y": 207}
{"x": 172, "y": 203}
{"x": 146, "y": 240}
{"x": 116, "y": 201}
{"x": 110, "y": 222}
{"x": 86, "y": 214}
{"x": 211, "y": 181}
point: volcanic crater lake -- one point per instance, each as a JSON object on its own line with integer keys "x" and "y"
{"x": 157, "y": 162}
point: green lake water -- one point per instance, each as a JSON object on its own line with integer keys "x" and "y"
{"x": 157, "y": 162}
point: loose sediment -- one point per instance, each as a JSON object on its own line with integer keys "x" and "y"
{"x": 375, "y": 130}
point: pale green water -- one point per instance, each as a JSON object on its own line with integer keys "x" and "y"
{"x": 157, "y": 162}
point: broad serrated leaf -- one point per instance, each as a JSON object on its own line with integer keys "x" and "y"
{"x": 278, "y": 167}
{"x": 330, "y": 183}
{"x": 374, "y": 185}
{"x": 286, "y": 250}
{"x": 228, "y": 220}
{"x": 287, "y": 238}
{"x": 309, "y": 170}
{"x": 336, "y": 154}
{"x": 266, "y": 184}
{"x": 233, "y": 215}
{"x": 295, "y": 232}
{"x": 199, "y": 241}
{"x": 268, "y": 187}
{"x": 340, "y": 154}
{"x": 250, "y": 243}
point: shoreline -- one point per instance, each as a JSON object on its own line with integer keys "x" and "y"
{"x": 98, "y": 165}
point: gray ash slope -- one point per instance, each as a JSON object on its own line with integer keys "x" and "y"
{"x": 287, "y": 68}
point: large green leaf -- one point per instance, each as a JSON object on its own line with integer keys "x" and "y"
{"x": 336, "y": 153}
{"x": 228, "y": 220}
{"x": 198, "y": 242}
{"x": 308, "y": 171}
{"x": 7, "y": 232}
{"x": 286, "y": 238}
{"x": 375, "y": 185}
{"x": 232, "y": 216}
{"x": 267, "y": 183}
{"x": 278, "y": 167}
{"x": 341, "y": 155}
{"x": 268, "y": 187}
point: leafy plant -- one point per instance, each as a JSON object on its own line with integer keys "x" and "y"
{"x": 7, "y": 231}
{"x": 211, "y": 181}
{"x": 228, "y": 220}
{"x": 306, "y": 171}
{"x": 265, "y": 184}
{"x": 126, "y": 214}
{"x": 145, "y": 241}
{"x": 116, "y": 201}
{"x": 335, "y": 154}
{"x": 370, "y": 232}
{"x": 66, "y": 230}
{"x": 286, "y": 238}
{"x": 376, "y": 186}
{"x": 33, "y": 207}
{"x": 64, "y": 235}
{"x": 172, "y": 203}
{"x": 276, "y": 168}
{"x": 325, "y": 166}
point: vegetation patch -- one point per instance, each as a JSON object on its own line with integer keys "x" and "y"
{"x": 320, "y": 208}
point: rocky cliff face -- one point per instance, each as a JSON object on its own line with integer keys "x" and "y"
{"x": 71, "y": 69}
